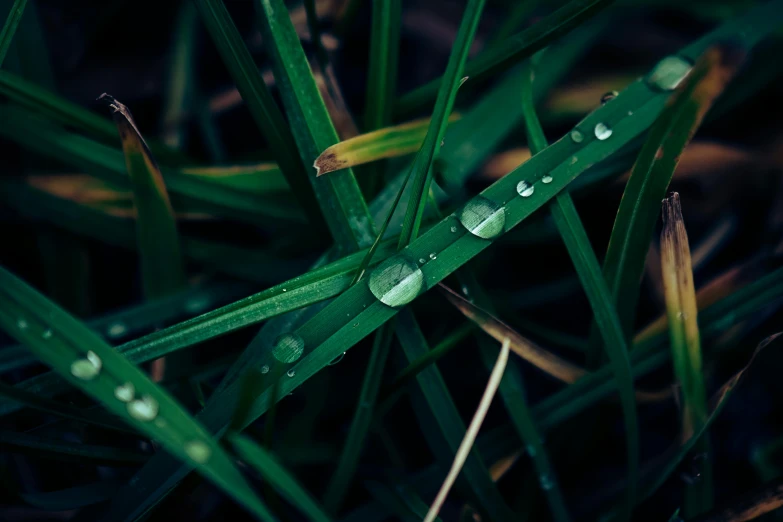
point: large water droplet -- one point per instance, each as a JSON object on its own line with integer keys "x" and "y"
{"x": 607, "y": 97}
{"x": 144, "y": 409}
{"x": 577, "y": 136}
{"x": 483, "y": 217}
{"x": 602, "y": 131}
{"x": 88, "y": 368}
{"x": 125, "y": 392}
{"x": 198, "y": 450}
{"x": 116, "y": 330}
{"x": 288, "y": 348}
{"x": 397, "y": 281}
{"x": 546, "y": 179}
{"x": 525, "y": 189}
{"x": 669, "y": 73}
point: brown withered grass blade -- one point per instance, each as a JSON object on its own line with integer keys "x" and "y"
{"x": 750, "y": 506}
{"x": 156, "y": 228}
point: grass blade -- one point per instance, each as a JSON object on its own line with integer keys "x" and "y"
{"x": 513, "y": 50}
{"x": 387, "y": 142}
{"x": 68, "y": 451}
{"x": 470, "y": 435}
{"x": 341, "y": 201}
{"x": 447, "y": 93}
{"x": 9, "y": 27}
{"x": 161, "y": 262}
{"x": 681, "y": 308}
{"x": 259, "y": 101}
{"x": 277, "y": 476}
{"x": 384, "y": 55}
{"x": 651, "y": 175}
{"x": 94, "y": 367}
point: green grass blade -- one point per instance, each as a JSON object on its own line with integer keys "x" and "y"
{"x": 277, "y": 476}
{"x": 452, "y": 79}
{"x": 513, "y": 50}
{"x": 682, "y": 311}
{"x": 72, "y": 498}
{"x": 387, "y": 142}
{"x": 651, "y": 175}
{"x": 94, "y": 367}
{"x": 450, "y": 425}
{"x": 382, "y": 70}
{"x": 9, "y": 27}
{"x": 341, "y": 201}
{"x": 161, "y": 261}
{"x": 588, "y": 269}
{"x": 360, "y": 423}
{"x": 262, "y": 106}
{"x": 59, "y": 449}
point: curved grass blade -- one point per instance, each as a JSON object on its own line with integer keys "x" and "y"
{"x": 471, "y": 433}
{"x": 513, "y": 50}
{"x": 261, "y": 104}
{"x": 588, "y": 269}
{"x": 360, "y": 423}
{"x": 10, "y": 26}
{"x": 651, "y": 175}
{"x": 161, "y": 261}
{"x": 93, "y": 366}
{"x": 277, "y": 476}
{"x": 259, "y": 178}
{"x": 388, "y": 142}
{"x": 342, "y": 203}
{"x": 452, "y": 80}
{"x": 677, "y": 274}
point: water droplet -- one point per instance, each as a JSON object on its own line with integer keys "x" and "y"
{"x": 125, "y": 392}
{"x": 433, "y": 256}
{"x": 546, "y": 179}
{"x": 144, "y": 409}
{"x": 22, "y": 324}
{"x": 630, "y": 113}
{"x": 47, "y": 334}
{"x": 525, "y": 189}
{"x": 609, "y": 96}
{"x": 198, "y": 451}
{"x": 88, "y": 368}
{"x": 577, "y": 136}
{"x": 546, "y": 482}
{"x": 116, "y": 330}
{"x": 160, "y": 423}
{"x": 397, "y": 281}
{"x": 422, "y": 260}
{"x": 574, "y": 159}
{"x": 196, "y": 305}
{"x": 602, "y": 131}
{"x": 465, "y": 291}
{"x": 265, "y": 369}
{"x": 288, "y": 348}
{"x": 453, "y": 229}
{"x": 291, "y": 372}
{"x": 338, "y": 358}
{"x": 668, "y": 73}
{"x": 483, "y": 217}
{"x": 284, "y": 290}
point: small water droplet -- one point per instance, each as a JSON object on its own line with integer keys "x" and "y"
{"x": 577, "y": 136}
{"x": 198, "y": 450}
{"x": 546, "y": 482}
{"x": 422, "y": 260}
{"x": 668, "y": 73}
{"x": 433, "y": 256}
{"x": 465, "y": 291}
{"x": 116, "y": 330}
{"x": 397, "y": 281}
{"x": 291, "y": 372}
{"x": 47, "y": 334}
{"x": 125, "y": 392}
{"x": 574, "y": 159}
{"x": 602, "y": 131}
{"x": 288, "y": 348}
{"x": 196, "y": 305}
{"x": 483, "y": 217}
{"x": 630, "y": 113}
{"x": 607, "y": 97}
{"x": 88, "y": 368}
{"x": 338, "y": 358}
{"x": 160, "y": 423}
{"x": 143, "y": 409}
{"x": 265, "y": 369}
{"x": 284, "y": 290}
{"x": 525, "y": 189}
{"x": 22, "y": 324}
{"x": 546, "y": 179}
{"x": 453, "y": 229}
